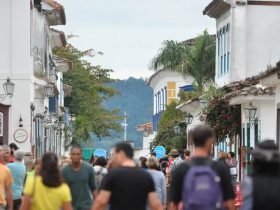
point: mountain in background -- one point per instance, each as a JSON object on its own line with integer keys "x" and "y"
{"x": 136, "y": 99}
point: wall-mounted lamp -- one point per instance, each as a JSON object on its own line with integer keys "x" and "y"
{"x": 49, "y": 90}
{"x": 20, "y": 122}
{"x": 189, "y": 119}
{"x": 8, "y": 87}
{"x": 250, "y": 113}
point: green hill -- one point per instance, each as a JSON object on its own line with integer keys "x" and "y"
{"x": 136, "y": 99}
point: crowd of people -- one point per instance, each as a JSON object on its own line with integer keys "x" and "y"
{"x": 183, "y": 180}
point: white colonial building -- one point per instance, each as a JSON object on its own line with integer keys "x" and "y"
{"x": 246, "y": 51}
{"x": 247, "y": 37}
{"x": 166, "y": 86}
{"x": 32, "y": 117}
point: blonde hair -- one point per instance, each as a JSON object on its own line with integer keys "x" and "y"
{"x": 152, "y": 163}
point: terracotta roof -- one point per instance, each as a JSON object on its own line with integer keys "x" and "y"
{"x": 191, "y": 41}
{"x": 251, "y": 86}
{"x": 254, "y": 80}
{"x": 254, "y": 90}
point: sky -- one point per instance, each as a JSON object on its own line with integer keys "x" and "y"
{"x": 130, "y": 32}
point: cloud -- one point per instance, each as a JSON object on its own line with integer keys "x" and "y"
{"x": 130, "y": 32}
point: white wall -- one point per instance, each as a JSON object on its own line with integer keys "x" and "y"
{"x": 254, "y": 40}
{"x": 263, "y": 38}
{"x": 161, "y": 79}
{"x": 267, "y": 116}
{"x": 145, "y": 151}
{"x": 16, "y": 62}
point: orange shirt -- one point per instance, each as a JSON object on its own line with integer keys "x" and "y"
{"x": 6, "y": 179}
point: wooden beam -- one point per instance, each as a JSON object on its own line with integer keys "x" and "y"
{"x": 264, "y": 3}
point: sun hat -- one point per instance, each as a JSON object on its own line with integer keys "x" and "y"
{"x": 174, "y": 152}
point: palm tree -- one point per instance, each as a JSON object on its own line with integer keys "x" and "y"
{"x": 197, "y": 60}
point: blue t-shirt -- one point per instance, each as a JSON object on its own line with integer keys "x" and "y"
{"x": 18, "y": 171}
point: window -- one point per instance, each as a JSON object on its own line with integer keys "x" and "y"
{"x": 228, "y": 61}
{"x": 1, "y": 124}
{"x": 223, "y": 50}
{"x": 221, "y": 66}
{"x": 225, "y": 63}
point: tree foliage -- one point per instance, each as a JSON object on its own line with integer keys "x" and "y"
{"x": 165, "y": 134}
{"x": 197, "y": 60}
{"x": 89, "y": 90}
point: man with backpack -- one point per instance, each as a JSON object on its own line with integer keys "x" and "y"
{"x": 201, "y": 183}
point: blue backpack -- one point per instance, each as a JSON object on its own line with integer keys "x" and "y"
{"x": 202, "y": 189}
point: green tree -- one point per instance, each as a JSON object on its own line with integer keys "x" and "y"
{"x": 197, "y": 60}
{"x": 165, "y": 134}
{"x": 89, "y": 91}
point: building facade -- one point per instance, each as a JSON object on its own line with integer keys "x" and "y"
{"x": 246, "y": 46}
{"x": 30, "y": 118}
{"x": 246, "y": 37}
{"x": 166, "y": 86}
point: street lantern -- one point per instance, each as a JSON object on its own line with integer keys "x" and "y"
{"x": 189, "y": 119}
{"x": 203, "y": 103}
{"x": 177, "y": 129}
{"x": 250, "y": 112}
{"x": 49, "y": 90}
{"x": 9, "y": 87}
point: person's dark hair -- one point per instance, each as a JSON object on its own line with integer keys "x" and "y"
{"x": 13, "y": 146}
{"x": 76, "y": 146}
{"x": 126, "y": 148}
{"x": 266, "y": 159}
{"x": 143, "y": 162}
{"x": 49, "y": 170}
{"x": 153, "y": 154}
{"x": 187, "y": 152}
{"x": 101, "y": 161}
{"x": 200, "y": 134}
{"x": 232, "y": 154}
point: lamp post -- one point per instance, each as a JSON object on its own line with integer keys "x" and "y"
{"x": 8, "y": 87}
{"x": 189, "y": 119}
{"x": 250, "y": 113}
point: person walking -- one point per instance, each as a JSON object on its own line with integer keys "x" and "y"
{"x": 18, "y": 171}
{"x": 232, "y": 163}
{"x": 79, "y": 176}
{"x": 6, "y": 181}
{"x": 6, "y": 154}
{"x": 202, "y": 183}
{"x": 158, "y": 177}
{"x": 222, "y": 158}
{"x": 126, "y": 187}
{"x": 100, "y": 170}
{"x": 13, "y": 148}
{"x": 187, "y": 154}
{"x": 46, "y": 191}
{"x": 261, "y": 189}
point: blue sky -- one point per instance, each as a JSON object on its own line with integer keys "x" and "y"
{"x": 130, "y": 32}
